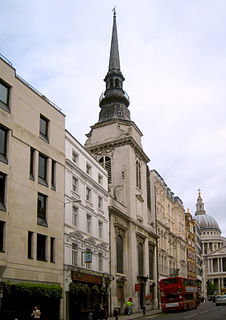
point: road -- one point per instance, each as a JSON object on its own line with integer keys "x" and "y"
{"x": 206, "y": 311}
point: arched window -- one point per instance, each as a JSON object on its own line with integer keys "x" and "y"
{"x": 119, "y": 254}
{"x": 140, "y": 259}
{"x": 106, "y": 163}
{"x": 138, "y": 175}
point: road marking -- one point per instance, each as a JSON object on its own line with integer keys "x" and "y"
{"x": 205, "y": 311}
{"x": 192, "y": 315}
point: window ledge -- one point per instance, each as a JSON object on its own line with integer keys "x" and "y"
{"x": 44, "y": 138}
{"x": 2, "y": 206}
{"x": 4, "y": 106}
{"x": 3, "y": 159}
{"x": 89, "y": 203}
{"x": 42, "y": 182}
{"x": 42, "y": 222}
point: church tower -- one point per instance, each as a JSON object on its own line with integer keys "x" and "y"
{"x": 115, "y": 141}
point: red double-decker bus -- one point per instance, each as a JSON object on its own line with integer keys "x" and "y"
{"x": 179, "y": 293}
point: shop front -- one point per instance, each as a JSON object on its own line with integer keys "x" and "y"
{"x": 19, "y": 298}
{"x": 86, "y": 292}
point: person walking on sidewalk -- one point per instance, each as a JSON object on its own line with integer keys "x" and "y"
{"x": 129, "y": 305}
{"x": 115, "y": 313}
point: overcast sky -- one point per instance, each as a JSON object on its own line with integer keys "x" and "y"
{"x": 173, "y": 57}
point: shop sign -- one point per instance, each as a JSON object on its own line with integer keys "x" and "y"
{"x": 79, "y": 276}
{"x": 88, "y": 257}
{"x": 137, "y": 287}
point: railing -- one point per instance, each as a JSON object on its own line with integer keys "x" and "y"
{"x": 102, "y": 96}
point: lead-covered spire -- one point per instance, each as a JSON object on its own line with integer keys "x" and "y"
{"x": 114, "y": 61}
{"x": 114, "y": 101}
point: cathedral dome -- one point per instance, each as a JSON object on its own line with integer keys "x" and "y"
{"x": 207, "y": 222}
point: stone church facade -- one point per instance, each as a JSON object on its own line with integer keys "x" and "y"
{"x": 115, "y": 141}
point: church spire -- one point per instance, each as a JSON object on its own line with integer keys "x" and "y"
{"x": 114, "y": 101}
{"x": 114, "y": 62}
{"x": 200, "y": 205}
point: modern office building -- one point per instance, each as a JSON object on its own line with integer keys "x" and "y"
{"x": 32, "y": 161}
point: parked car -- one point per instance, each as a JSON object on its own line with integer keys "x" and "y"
{"x": 221, "y": 300}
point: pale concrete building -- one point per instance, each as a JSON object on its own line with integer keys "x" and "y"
{"x": 213, "y": 250}
{"x": 31, "y": 199}
{"x": 86, "y": 238}
{"x": 115, "y": 141}
{"x": 170, "y": 220}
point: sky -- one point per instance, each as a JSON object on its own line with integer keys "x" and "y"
{"x": 173, "y": 58}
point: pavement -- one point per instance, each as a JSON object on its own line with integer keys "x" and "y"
{"x": 137, "y": 315}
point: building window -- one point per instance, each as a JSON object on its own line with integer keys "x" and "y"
{"x": 100, "y": 179}
{"x": 41, "y": 247}
{"x": 42, "y": 170}
{"x": 43, "y": 129}
{"x": 119, "y": 254}
{"x": 88, "y": 194}
{"x": 74, "y": 157}
{"x": 74, "y": 184}
{"x": 53, "y": 175}
{"x": 88, "y": 223}
{"x": 140, "y": 259}
{"x": 2, "y": 191}
{"x": 2, "y": 236}
{"x": 30, "y": 245}
{"x": 74, "y": 254}
{"x": 138, "y": 175}
{"x": 106, "y": 163}
{"x": 100, "y": 262}
{"x": 52, "y": 249}
{"x": 42, "y": 209}
{"x": 100, "y": 203}
{"x": 75, "y": 216}
{"x": 4, "y": 96}
{"x": 88, "y": 169}
{"x": 3, "y": 144}
{"x": 32, "y": 161}
{"x": 100, "y": 229}
{"x": 151, "y": 262}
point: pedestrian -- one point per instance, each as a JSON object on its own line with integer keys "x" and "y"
{"x": 36, "y": 313}
{"x": 105, "y": 313}
{"x": 101, "y": 313}
{"x": 129, "y": 305}
{"x": 115, "y": 313}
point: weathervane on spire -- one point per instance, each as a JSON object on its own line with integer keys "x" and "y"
{"x": 199, "y": 191}
{"x": 114, "y": 11}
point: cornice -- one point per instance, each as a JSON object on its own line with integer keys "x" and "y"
{"x": 111, "y": 145}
